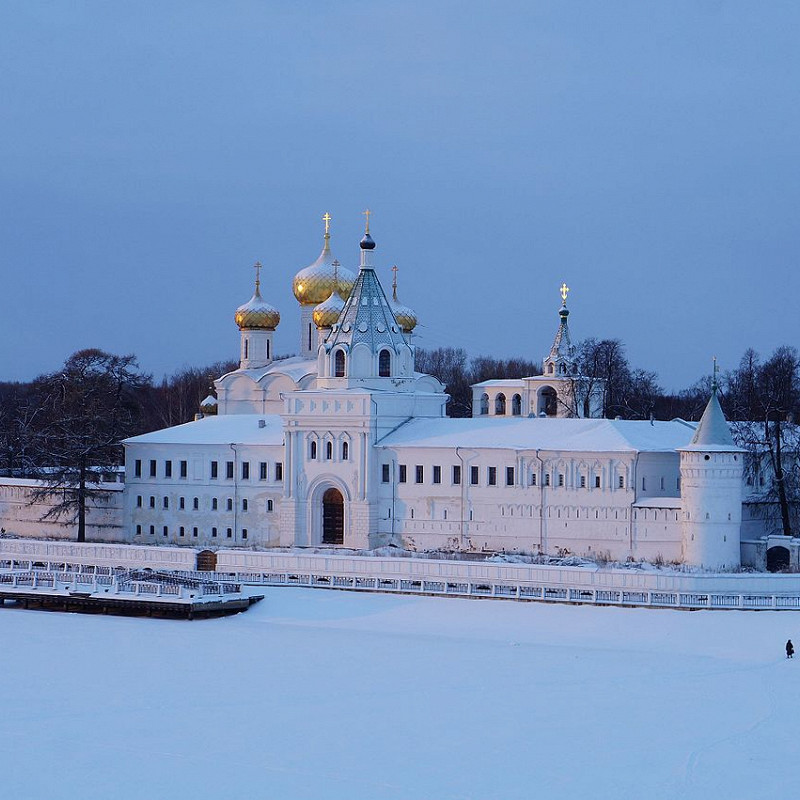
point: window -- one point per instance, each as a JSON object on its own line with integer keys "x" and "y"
{"x": 166, "y": 531}
{"x": 194, "y": 532}
{"x": 560, "y": 478}
{"x": 516, "y": 405}
{"x": 138, "y": 530}
{"x": 456, "y": 474}
{"x": 152, "y": 468}
{"x": 533, "y": 479}
{"x": 338, "y": 364}
{"x": 444, "y": 514}
{"x": 138, "y": 501}
{"x": 229, "y": 533}
{"x": 596, "y": 481}
{"x": 137, "y": 468}
{"x": 484, "y": 404}
{"x": 278, "y": 471}
{"x": 152, "y": 501}
{"x": 662, "y": 483}
{"x": 196, "y": 503}
{"x": 181, "y": 503}
{"x": 270, "y": 505}
{"x": 329, "y": 451}
{"x": 214, "y": 504}
{"x": 644, "y": 484}
{"x": 509, "y": 476}
{"x": 437, "y": 474}
{"x": 245, "y": 470}
{"x": 547, "y": 479}
{"x": 229, "y": 470}
{"x": 214, "y": 532}
{"x": 167, "y": 469}
{"x": 384, "y": 364}
{"x": 491, "y": 476}
{"x": 229, "y": 504}
{"x": 345, "y": 451}
{"x": 152, "y": 530}
{"x": 385, "y": 473}
{"x": 583, "y": 481}
{"x": 244, "y": 505}
{"x": 473, "y": 476}
{"x": 244, "y": 533}
{"x": 184, "y": 469}
{"x": 401, "y": 478}
{"x": 182, "y": 531}
{"x": 500, "y": 404}
{"x": 621, "y": 481}
{"x": 312, "y": 454}
{"x": 262, "y": 471}
{"x": 419, "y": 475}
{"x": 166, "y": 502}
{"x": 214, "y": 470}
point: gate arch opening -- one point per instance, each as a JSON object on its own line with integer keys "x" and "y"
{"x": 332, "y": 517}
{"x": 777, "y": 559}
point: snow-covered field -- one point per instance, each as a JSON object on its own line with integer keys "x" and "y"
{"x": 316, "y": 693}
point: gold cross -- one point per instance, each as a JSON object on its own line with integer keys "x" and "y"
{"x": 327, "y": 217}
{"x": 394, "y": 283}
{"x": 257, "y": 267}
{"x": 367, "y": 215}
{"x": 564, "y": 292}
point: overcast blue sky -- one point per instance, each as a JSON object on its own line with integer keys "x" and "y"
{"x": 644, "y": 152}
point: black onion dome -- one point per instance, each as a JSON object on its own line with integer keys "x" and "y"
{"x": 367, "y": 243}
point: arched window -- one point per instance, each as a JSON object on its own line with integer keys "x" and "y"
{"x": 338, "y": 364}
{"x": 345, "y": 451}
{"x": 484, "y": 403}
{"x": 500, "y": 404}
{"x": 551, "y": 369}
{"x": 313, "y": 451}
{"x": 516, "y": 405}
{"x": 246, "y": 347}
{"x": 384, "y": 364}
{"x": 268, "y": 348}
{"x": 329, "y": 451}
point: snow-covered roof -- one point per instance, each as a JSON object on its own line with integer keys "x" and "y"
{"x": 500, "y": 382}
{"x": 223, "y": 429}
{"x": 295, "y": 368}
{"x": 712, "y": 431}
{"x": 537, "y": 433}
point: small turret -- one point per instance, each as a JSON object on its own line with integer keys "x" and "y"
{"x": 711, "y": 492}
{"x": 257, "y": 321}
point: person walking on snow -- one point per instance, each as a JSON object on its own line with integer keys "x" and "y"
{"x": 789, "y": 649}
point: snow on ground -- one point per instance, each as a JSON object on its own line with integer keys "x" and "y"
{"x": 316, "y": 693}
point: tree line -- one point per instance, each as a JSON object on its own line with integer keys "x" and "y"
{"x": 65, "y": 427}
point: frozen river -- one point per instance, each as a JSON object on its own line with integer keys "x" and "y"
{"x": 316, "y": 693}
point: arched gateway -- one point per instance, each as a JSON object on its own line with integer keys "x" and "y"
{"x": 332, "y": 517}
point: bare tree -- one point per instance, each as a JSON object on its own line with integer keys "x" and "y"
{"x": 86, "y": 409}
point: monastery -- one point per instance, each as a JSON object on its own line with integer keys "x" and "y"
{"x": 346, "y": 445}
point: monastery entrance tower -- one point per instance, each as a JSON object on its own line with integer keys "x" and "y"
{"x": 366, "y": 387}
{"x": 711, "y": 492}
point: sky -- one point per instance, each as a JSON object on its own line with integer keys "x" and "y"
{"x": 645, "y": 153}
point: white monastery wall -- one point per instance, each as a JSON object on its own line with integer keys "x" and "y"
{"x": 21, "y": 515}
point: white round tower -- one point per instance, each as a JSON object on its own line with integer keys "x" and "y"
{"x": 711, "y": 493}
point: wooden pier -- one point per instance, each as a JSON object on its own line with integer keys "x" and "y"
{"x": 123, "y": 592}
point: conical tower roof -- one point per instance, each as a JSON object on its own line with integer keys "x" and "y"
{"x": 712, "y": 432}
{"x": 367, "y": 315}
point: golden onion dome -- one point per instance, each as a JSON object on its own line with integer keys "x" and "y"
{"x": 405, "y": 316}
{"x": 326, "y": 314}
{"x": 314, "y": 284}
{"x": 257, "y": 313}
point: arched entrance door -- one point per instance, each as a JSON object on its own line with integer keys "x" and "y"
{"x": 548, "y": 402}
{"x": 332, "y": 517}
{"x": 777, "y": 559}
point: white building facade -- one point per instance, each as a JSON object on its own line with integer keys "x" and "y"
{"x": 347, "y": 446}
